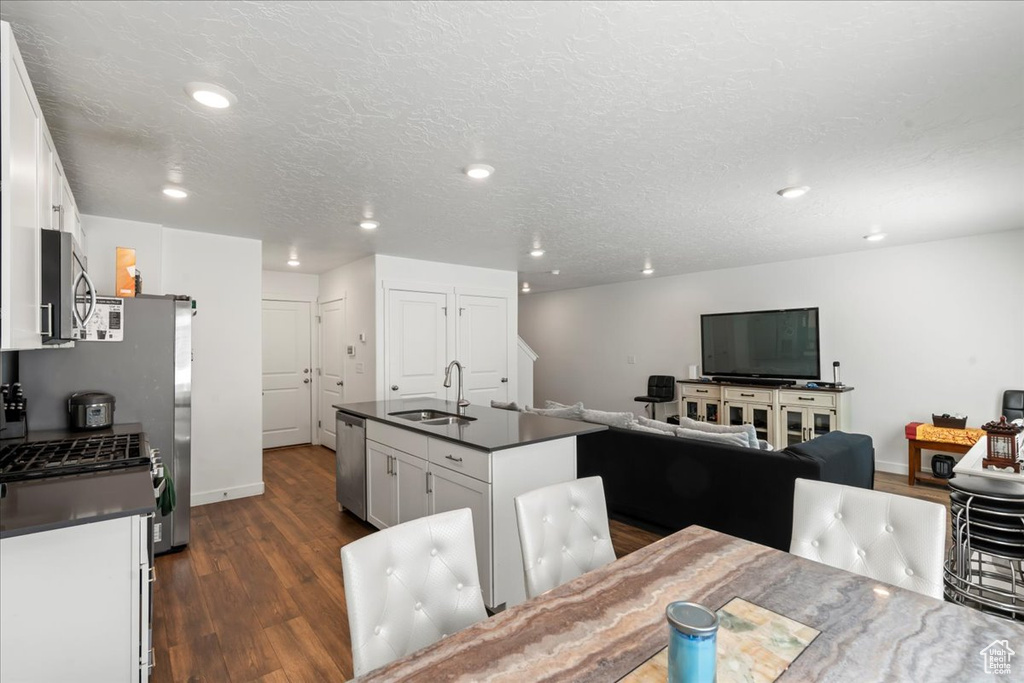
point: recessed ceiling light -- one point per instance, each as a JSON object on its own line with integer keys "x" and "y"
{"x": 293, "y": 262}
{"x": 526, "y": 286}
{"x": 647, "y": 271}
{"x": 537, "y": 252}
{"x": 875, "y": 237}
{"x": 793, "y": 192}
{"x": 555, "y": 272}
{"x": 367, "y": 224}
{"x": 479, "y": 171}
{"x": 175, "y": 192}
{"x": 210, "y": 95}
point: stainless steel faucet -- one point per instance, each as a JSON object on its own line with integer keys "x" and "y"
{"x": 448, "y": 382}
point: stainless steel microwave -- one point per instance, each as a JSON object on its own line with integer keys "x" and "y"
{"x": 64, "y": 273}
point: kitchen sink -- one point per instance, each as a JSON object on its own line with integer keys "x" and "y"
{"x": 435, "y": 418}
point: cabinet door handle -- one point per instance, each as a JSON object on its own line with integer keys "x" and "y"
{"x": 805, "y": 398}
{"x": 340, "y": 384}
{"x": 504, "y": 379}
{"x": 389, "y": 463}
{"x": 305, "y": 381}
{"x": 426, "y": 476}
{"x": 49, "y": 319}
{"x": 702, "y": 391}
{"x": 453, "y": 458}
{"x": 747, "y": 395}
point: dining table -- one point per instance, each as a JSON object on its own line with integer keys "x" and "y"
{"x": 610, "y": 622}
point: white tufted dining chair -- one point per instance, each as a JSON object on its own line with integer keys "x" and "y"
{"x": 563, "y": 531}
{"x": 883, "y": 536}
{"x": 409, "y": 586}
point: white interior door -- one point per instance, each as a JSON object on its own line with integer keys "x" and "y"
{"x": 287, "y": 374}
{"x": 332, "y": 366}
{"x": 483, "y": 347}
{"x": 417, "y": 347}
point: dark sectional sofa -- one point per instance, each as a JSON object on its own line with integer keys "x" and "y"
{"x": 666, "y": 483}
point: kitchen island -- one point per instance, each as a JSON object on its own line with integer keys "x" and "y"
{"x": 417, "y": 467}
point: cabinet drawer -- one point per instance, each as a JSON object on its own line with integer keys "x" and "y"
{"x": 476, "y": 464}
{"x": 701, "y": 390}
{"x": 401, "y": 439}
{"x": 807, "y": 398}
{"x": 748, "y": 395}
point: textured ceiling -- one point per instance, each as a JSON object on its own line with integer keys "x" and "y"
{"x": 621, "y": 132}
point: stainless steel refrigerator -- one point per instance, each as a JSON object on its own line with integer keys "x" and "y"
{"x": 149, "y": 373}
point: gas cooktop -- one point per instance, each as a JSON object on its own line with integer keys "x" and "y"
{"x": 76, "y": 455}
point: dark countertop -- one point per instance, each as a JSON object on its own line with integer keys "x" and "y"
{"x": 492, "y": 430}
{"x": 57, "y": 502}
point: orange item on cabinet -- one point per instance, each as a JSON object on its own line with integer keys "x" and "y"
{"x": 125, "y": 278}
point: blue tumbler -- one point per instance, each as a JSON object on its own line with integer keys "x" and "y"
{"x": 693, "y": 631}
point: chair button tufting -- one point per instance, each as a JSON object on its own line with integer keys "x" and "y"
{"x": 595, "y": 538}
{"x": 433, "y": 552}
{"x": 564, "y": 549}
{"x": 418, "y": 607}
{"x": 544, "y": 519}
{"x": 814, "y": 544}
{"x": 910, "y": 572}
{"x": 572, "y": 508}
{"x": 888, "y": 527}
{"x": 458, "y": 586}
{"x": 376, "y": 630}
{"x": 444, "y": 635}
{"x": 388, "y": 571}
{"x": 839, "y": 515}
{"x": 861, "y": 553}
{"x": 540, "y": 560}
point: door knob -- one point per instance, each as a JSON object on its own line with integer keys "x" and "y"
{"x": 305, "y": 370}
{"x": 504, "y": 379}
{"x": 305, "y": 381}
{"x": 341, "y": 384}
{"x": 394, "y": 387}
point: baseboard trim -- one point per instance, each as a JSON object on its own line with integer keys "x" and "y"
{"x": 244, "y": 491}
{"x": 894, "y": 468}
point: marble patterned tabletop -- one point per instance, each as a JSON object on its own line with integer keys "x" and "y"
{"x": 602, "y": 625}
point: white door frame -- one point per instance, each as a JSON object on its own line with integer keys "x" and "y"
{"x": 314, "y": 359}
{"x": 318, "y": 324}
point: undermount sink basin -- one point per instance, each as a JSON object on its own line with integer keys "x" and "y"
{"x": 433, "y": 417}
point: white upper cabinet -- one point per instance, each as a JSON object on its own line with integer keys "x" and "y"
{"x": 33, "y": 184}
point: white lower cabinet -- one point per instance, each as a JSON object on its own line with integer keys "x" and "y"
{"x": 74, "y": 604}
{"x": 442, "y": 476}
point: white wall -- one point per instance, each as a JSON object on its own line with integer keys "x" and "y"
{"x": 935, "y": 327}
{"x": 223, "y": 275}
{"x": 354, "y": 282}
{"x": 290, "y": 286}
{"x": 105, "y": 235}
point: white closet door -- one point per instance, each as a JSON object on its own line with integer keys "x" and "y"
{"x": 483, "y": 347}
{"x": 332, "y": 367}
{"x": 417, "y": 346}
{"x": 287, "y": 374}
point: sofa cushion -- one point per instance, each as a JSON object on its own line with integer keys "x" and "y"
{"x": 501, "y": 405}
{"x": 555, "y": 404}
{"x": 574, "y": 412}
{"x": 638, "y": 427}
{"x": 725, "y": 439}
{"x": 657, "y": 425}
{"x": 603, "y": 417}
{"x": 747, "y": 430}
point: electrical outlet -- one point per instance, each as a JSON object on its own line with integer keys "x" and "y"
{"x": 631, "y": 360}
{"x": 158, "y": 532}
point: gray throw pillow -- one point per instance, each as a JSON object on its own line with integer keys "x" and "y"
{"x": 603, "y": 417}
{"x": 568, "y": 413}
{"x": 724, "y": 438}
{"x": 637, "y": 427}
{"x": 655, "y": 424}
{"x": 765, "y": 446}
{"x": 710, "y": 428}
{"x": 505, "y": 406}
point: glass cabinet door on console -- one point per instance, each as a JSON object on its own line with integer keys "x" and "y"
{"x": 711, "y": 411}
{"x": 761, "y": 416}
{"x": 701, "y": 409}
{"x": 804, "y": 424}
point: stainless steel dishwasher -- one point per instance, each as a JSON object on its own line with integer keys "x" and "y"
{"x": 350, "y": 463}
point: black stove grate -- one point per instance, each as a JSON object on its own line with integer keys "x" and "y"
{"x": 79, "y": 455}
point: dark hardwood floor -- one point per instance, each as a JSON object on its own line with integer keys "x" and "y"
{"x": 258, "y": 594}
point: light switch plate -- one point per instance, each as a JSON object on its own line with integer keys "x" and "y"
{"x": 631, "y": 360}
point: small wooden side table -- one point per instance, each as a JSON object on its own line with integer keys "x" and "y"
{"x": 960, "y": 441}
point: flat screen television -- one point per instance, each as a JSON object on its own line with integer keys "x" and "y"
{"x": 761, "y": 344}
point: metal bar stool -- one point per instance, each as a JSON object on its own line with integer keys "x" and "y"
{"x": 985, "y": 565}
